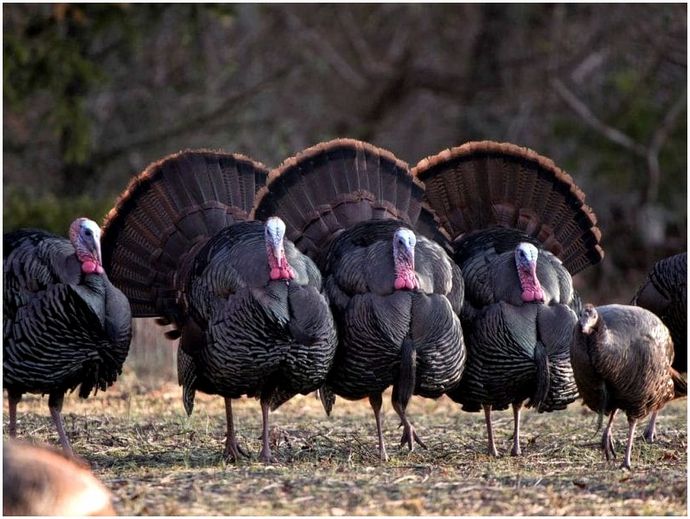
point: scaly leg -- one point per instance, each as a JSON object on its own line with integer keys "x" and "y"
{"x": 265, "y": 454}
{"x": 650, "y": 430}
{"x": 628, "y": 449}
{"x": 490, "y": 431}
{"x": 12, "y": 401}
{"x": 516, "y": 451}
{"x": 607, "y": 440}
{"x": 376, "y": 402}
{"x": 232, "y": 450}
{"x": 55, "y": 407}
{"x": 409, "y": 435}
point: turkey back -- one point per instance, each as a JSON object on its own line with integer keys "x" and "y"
{"x": 334, "y": 185}
{"x": 483, "y": 185}
{"x": 166, "y": 214}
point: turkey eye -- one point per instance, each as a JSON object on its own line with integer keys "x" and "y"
{"x": 87, "y": 232}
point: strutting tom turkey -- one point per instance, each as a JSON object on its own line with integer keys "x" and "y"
{"x": 395, "y": 294}
{"x": 519, "y": 229}
{"x": 664, "y": 293}
{"x": 64, "y": 323}
{"x": 621, "y": 357}
{"x": 247, "y": 305}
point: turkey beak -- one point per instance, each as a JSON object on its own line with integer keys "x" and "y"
{"x": 410, "y": 255}
{"x": 95, "y": 249}
{"x": 278, "y": 251}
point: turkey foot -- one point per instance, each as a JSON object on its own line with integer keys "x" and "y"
{"x": 607, "y": 445}
{"x": 408, "y": 435}
{"x": 265, "y": 455}
{"x": 233, "y": 451}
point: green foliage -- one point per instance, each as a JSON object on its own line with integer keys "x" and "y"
{"x": 22, "y": 209}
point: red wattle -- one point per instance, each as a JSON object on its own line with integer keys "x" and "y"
{"x": 89, "y": 267}
{"x": 530, "y": 295}
{"x": 276, "y": 273}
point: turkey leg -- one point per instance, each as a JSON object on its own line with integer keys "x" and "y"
{"x": 376, "y": 402}
{"x": 12, "y": 403}
{"x": 490, "y": 430}
{"x": 265, "y": 454}
{"x": 232, "y": 449}
{"x": 632, "y": 423}
{"x": 607, "y": 440}
{"x": 516, "y": 451}
{"x": 650, "y": 430}
{"x": 55, "y": 406}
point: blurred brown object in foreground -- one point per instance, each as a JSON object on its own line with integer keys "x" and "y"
{"x": 40, "y": 481}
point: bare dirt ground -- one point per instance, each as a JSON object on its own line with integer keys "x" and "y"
{"x": 159, "y": 462}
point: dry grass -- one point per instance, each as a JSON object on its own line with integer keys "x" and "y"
{"x": 159, "y": 462}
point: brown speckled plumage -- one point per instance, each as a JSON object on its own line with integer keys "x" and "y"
{"x": 621, "y": 357}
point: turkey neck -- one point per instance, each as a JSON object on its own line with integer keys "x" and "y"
{"x": 404, "y": 269}
{"x": 278, "y": 265}
{"x": 598, "y": 336}
{"x": 529, "y": 282}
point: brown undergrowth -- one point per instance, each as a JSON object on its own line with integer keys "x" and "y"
{"x": 159, "y": 462}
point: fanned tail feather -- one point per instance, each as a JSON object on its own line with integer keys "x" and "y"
{"x": 333, "y": 185}
{"x": 166, "y": 214}
{"x": 487, "y": 184}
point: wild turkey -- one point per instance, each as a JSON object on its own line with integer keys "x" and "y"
{"x": 621, "y": 358}
{"x": 246, "y": 303}
{"x": 39, "y": 481}
{"x": 64, "y": 323}
{"x": 520, "y": 229}
{"x": 665, "y": 293}
{"x": 394, "y": 293}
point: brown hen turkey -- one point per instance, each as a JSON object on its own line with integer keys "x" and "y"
{"x": 621, "y": 358}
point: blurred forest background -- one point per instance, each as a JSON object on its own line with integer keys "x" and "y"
{"x": 94, "y": 92}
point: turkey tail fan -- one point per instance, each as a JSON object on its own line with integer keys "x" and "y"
{"x": 334, "y": 185}
{"x": 166, "y": 214}
{"x": 488, "y": 184}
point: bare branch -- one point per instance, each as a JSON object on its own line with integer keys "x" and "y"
{"x": 594, "y": 122}
{"x": 339, "y": 64}
{"x": 359, "y": 43}
{"x": 658, "y": 139}
{"x": 230, "y": 103}
{"x": 669, "y": 121}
